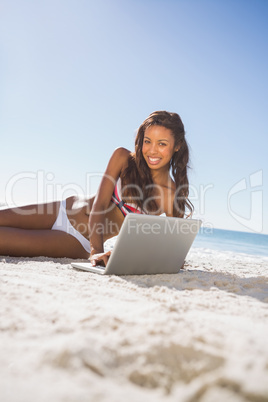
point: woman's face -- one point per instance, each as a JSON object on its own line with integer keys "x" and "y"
{"x": 158, "y": 147}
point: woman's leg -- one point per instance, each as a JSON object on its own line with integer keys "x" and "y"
{"x": 31, "y": 243}
{"x": 40, "y": 216}
{"x": 26, "y": 231}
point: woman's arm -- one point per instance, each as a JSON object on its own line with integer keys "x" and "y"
{"x": 103, "y": 197}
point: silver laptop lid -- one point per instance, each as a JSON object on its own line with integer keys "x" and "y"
{"x": 149, "y": 244}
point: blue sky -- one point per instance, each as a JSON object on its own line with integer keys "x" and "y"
{"x": 78, "y": 78}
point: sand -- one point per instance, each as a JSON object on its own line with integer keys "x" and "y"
{"x": 200, "y": 335}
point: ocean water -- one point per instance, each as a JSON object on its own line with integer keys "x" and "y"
{"x": 230, "y": 240}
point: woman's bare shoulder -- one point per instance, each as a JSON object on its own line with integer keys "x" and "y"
{"x": 117, "y": 162}
{"x": 121, "y": 153}
{"x": 120, "y": 157}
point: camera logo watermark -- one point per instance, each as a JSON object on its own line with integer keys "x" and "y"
{"x": 254, "y": 199}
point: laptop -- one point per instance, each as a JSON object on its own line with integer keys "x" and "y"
{"x": 148, "y": 244}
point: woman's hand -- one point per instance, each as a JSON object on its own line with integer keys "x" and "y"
{"x": 100, "y": 259}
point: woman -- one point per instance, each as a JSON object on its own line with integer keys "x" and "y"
{"x": 153, "y": 180}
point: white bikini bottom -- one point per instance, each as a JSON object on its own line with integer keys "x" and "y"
{"x": 62, "y": 223}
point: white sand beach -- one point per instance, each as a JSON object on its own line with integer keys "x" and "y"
{"x": 200, "y": 335}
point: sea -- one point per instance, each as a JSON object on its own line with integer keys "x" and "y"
{"x": 233, "y": 241}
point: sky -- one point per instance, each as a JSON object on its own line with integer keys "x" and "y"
{"x": 78, "y": 77}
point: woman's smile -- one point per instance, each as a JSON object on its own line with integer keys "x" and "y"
{"x": 153, "y": 161}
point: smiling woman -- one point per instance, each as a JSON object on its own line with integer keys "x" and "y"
{"x": 152, "y": 180}
{"x": 159, "y": 166}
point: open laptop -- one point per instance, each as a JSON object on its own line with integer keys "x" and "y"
{"x": 148, "y": 244}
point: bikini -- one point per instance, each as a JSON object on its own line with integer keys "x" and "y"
{"x": 125, "y": 208}
{"x": 117, "y": 200}
{"x": 62, "y": 222}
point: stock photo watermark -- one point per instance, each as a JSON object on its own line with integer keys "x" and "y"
{"x": 248, "y": 212}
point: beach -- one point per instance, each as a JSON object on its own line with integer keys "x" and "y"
{"x": 199, "y": 335}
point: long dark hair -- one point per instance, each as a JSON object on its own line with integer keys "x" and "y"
{"x": 137, "y": 179}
